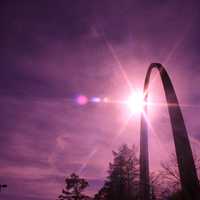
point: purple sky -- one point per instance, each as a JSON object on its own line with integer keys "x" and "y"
{"x": 52, "y": 51}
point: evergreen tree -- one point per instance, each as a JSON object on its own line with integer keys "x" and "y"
{"x": 122, "y": 181}
{"x": 103, "y": 192}
{"x": 73, "y": 189}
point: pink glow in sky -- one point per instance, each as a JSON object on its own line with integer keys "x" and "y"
{"x": 82, "y": 100}
{"x": 52, "y": 51}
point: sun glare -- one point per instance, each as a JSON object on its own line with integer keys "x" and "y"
{"x": 135, "y": 102}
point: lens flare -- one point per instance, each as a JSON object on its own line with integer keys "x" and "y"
{"x": 95, "y": 99}
{"x": 105, "y": 99}
{"x": 82, "y": 100}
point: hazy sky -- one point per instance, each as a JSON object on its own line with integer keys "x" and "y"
{"x": 52, "y": 51}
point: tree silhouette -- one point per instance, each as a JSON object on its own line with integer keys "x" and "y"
{"x": 73, "y": 189}
{"x": 122, "y": 181}
{"x": 169, "y": 174}
{"x": 103, "y": 193}
{"x": 2, "y": 186}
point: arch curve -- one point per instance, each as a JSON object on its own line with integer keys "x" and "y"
{"x": 186, "y": 166}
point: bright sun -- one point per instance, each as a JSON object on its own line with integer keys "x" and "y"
{"x": 135, "y": 102}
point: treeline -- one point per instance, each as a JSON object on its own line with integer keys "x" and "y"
{"x": 122, "y": 182}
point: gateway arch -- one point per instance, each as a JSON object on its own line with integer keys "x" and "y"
{"x": 186, "y": 166}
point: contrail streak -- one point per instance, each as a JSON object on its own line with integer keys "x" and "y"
{"x": 84, "y": 165}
